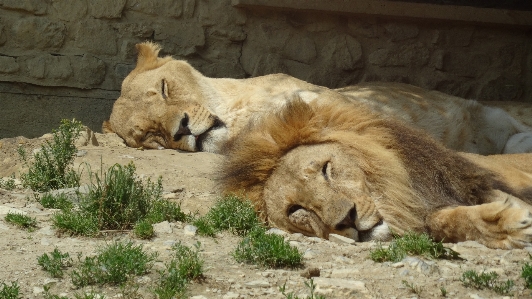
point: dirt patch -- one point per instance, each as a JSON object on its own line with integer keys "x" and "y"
{"x": 345, "y": 271}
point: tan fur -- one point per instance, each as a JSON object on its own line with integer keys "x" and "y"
{"x": 320, "y": 168}
{"x": 218, "y": 109}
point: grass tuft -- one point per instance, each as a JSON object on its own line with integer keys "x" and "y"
{"x": 113, "y": 265}
{"x": 471, "y": 279}
{"x": 55, "y": 262}
{"x": 526, "y": 273}
{"x": 144, "y": 230}
{"x": 268, "y": 250}
{"x": 8, "y": 183}
{"x": 118, "y": 200}
{"x": 59, "y": 201}
{"x": 412, "y": 244}
{"x": 185, "y": 266}
{"x": 21, "y": 220}
{"x": 50, "y": 167}
{"x": 9, "y": 292}
{"x": 412, "y": 287}
{"x": 230, "y": 213}
{"x": 310, "y": 285}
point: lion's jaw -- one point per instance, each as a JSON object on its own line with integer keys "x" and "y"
{"x": 158, "y": 110}
{"x": 319, "y": 190}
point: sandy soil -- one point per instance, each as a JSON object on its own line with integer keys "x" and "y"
{"x": 345, "y": 270}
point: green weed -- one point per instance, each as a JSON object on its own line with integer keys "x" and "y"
{"x": 8, "y": 183}
{"x": 112, "y": 265}
{"x": 526, "y": 273}
{"x": 230, "y": 213}
{"x": 268, "y": 250}
{"x": 443, "y": 291}
{"x": 310, "y": 285}
{"x": 50, "y": 167}
{"x": 185, "y": 266}
{"x": 21, "y": 220}
{"x": 59, "y": 201}
{"x": 412, "y": 244}
{"x": 9, "y": 292}
{"x": 144, "y": 230}
{"x": 55, "y": 262}
{"x": 412, "y": 287}
{"x": 471, "y": 279}
{"x": 75, "y": 223}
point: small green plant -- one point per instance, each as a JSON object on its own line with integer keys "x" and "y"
{"x": 59, "y": 201}
{"x": 229, "y": 213}
{"x": 51, "y": 165}
{"x": 471, "y": 279}
{"x": 443, "y": 291}
{"x": 526, "y": 273}
{"x": 412, "y": 244}
{"x": 75, "y": 223}
{"x": 55, "y": 263}
{"x": 268, "y": 250}
{"x": 8, "y": 183}
{"x": 91, "y": 295}
{"x": 144, "y": 230}
{"x": 185, "y": 266}
{"x": 21, "y": 220}
{"x": 113, "y": 265}
{"x": 118, "y": 200}
{"x": 9, "y": 292}
{"x": 412, "y": 287}
{"x": 310, "y": 285}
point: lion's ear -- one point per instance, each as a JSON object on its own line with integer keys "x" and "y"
{"x": 106, "y": 127}
{"x": 147, "y": 54}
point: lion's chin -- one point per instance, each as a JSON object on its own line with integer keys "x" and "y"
{"x": 211, "y": 140}
{"x": 379, "y": 232}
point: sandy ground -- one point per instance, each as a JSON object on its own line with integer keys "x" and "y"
{"x": 345, "y": 270}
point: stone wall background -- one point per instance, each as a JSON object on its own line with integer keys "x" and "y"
{"x": 67, "y": 58}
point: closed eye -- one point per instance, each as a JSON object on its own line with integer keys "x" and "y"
{"x": 326, "y": 170}
{"x": 164, "y": 89}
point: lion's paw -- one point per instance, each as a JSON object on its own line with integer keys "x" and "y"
{"x": 515, "y": 225}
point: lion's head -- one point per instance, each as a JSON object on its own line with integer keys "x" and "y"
{"x": 338, "y": 168}
{"x": 157, "y": 107}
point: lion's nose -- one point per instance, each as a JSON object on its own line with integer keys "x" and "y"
{"x": 183, "y": 128}
{"x": 348, "y": 221}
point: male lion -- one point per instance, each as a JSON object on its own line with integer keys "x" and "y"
{"x": 166, "y": 103}
{"x": 323, "y": 168}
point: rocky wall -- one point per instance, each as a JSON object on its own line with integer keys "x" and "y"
{"x": 67, "y": 58}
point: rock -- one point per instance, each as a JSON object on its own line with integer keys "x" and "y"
{"x": 326, "y": 285}
{"x": 45, "y": 242}
{"x": 36, "y": 7}
{"x": 144, "y": 280}
{"x": 87, "y": 137}
{"x": 81, "y": 153}
{"x": 8, "y": 65}
{"x": 38, "y": 290}
{"x": 343, "y": 259}
{"x": 231, "y": 295}
{"x": 277, "y": 231}
{"x": 46, "y": 231}
{"x": 398, "y": 265}
{"x": 257, "y": 284}
{"x": 425, "y": 267}
{"x": 4, "y": 210}
{"x": 190, "y": 230}
{"x": 310, "y": 254}
{"x": 398, "y": 32}
{"x": 199, "y": 297}
{"x": 475, "y": 296}
{"x": 102, "y": 41}
{"x": 345, "y": 273}
{"x": 34, "y": 33}
{"x": 341, "y": 239}
{"x": 162, "y": 228}
{"x": 344, "y": 51}
{"x": 108, "y": 9}
{"x": 310, "y": 272}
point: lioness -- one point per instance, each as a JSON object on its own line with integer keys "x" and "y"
{"x": 323, "y": 168}
{"x": 166, "y": 103}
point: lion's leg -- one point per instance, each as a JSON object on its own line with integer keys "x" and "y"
{"x": 505, "y": 223}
